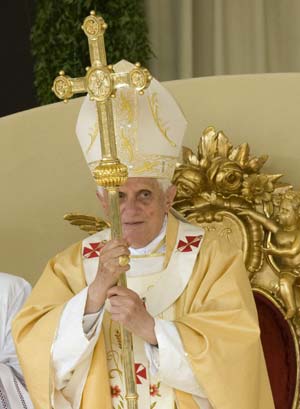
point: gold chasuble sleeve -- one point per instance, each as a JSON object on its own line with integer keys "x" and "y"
{"x": 35, "y": 327}
{"x": 218, "y": 325}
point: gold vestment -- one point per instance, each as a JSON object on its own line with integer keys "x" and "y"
{"x": 215, "y": 316}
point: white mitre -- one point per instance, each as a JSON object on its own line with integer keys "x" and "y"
{"x": 149, "y": 129}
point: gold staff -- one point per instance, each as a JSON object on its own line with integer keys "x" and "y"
{"x": 101, "y": 83}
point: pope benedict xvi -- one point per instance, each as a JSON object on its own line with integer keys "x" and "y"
{"x": 188, "y": 303}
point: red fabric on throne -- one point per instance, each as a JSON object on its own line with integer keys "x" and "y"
{"x": 280, "y": 351}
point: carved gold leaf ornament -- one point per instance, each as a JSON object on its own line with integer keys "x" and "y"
{"x": 208, "y": 146}
{"x": 240, "y": 154}
{"x": 259, "y": 187}
{"x": 188, "y": 157}
{"x": 90, "y": 224}
{"x": 255, "y": 164}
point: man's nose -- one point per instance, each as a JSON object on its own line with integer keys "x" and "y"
{"x": 129, "y": 206}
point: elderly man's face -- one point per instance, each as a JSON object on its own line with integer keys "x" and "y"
{"x": 143, "y": 206}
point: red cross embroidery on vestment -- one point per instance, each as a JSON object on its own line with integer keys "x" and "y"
{"x": 185, "y": 246}
{"x": 93, "y": 250}
{"x": 140, "y": 373}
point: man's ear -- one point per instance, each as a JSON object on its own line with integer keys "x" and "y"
{"x": 102, "y": 196}
{"x": 170, "y": 196}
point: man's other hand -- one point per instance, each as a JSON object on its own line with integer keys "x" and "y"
{"x": 129, "y": 310}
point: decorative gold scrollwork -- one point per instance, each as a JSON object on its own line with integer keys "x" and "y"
{"x": 221, "y": 178}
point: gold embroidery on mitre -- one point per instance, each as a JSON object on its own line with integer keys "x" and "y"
{"x": 93, "y": 134}
{"x": 153, "y": 102}
{"x": 126, "y": 126}
{"x": 156, "y": 165}
{"x": 125, "y": 112}
{"x": 146, "y": 167}
{"x": 126, "y": 108}
{"x": 126, "y": 145}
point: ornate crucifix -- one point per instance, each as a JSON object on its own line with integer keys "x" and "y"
{"x": 101, "y": 83}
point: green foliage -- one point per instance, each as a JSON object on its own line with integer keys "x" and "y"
{"x": 59, "y": 43}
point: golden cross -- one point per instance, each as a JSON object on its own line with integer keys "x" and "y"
{"x": 101, "y": 83}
